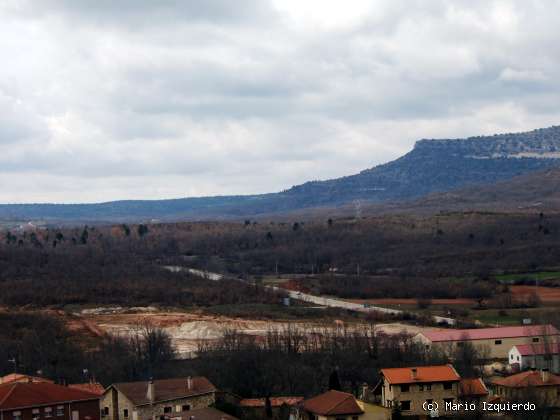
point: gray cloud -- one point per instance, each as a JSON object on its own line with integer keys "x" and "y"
{"x": 140, "y": 99}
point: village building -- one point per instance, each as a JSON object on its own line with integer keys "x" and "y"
{"x": 280, "y": 407}
{"x": 473, "y": 390}
{"x": 540, "y": 386}
{"x": 413, "y": 391}
{"x": 46, "y": 401}
{"x": 492, "y": 343}
{"x": 156, "y": 398}
{"x": 535, "y": 356}
{"x": 332, "y": 405}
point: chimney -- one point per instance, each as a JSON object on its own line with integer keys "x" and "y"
{"x": 545, "y": 375}
{"x": 190, "y": 383}
{"x": 151, "y": 394}
{"x": 414, "y": 373}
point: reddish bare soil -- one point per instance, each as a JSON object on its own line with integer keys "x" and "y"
{"x": 546, "y": 294}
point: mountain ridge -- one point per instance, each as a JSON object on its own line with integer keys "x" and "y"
{"x": 433, "y": 165}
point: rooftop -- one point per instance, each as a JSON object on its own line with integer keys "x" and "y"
{"x": 333, "y": 403}
{"x": 419, "y": 374}
{"x": 472, "y": 388}
{"x": 527, "y": 379}
{"x": 538, "y": 349}
{"x": 28, "y": 394}
{"x": 165, "y": 389}
{"x": 491, "y": 333}
{"x": 274, "y": 401}
{"x": 92, "y": 387}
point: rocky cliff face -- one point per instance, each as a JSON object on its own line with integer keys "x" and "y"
{"x": 432, "y": 166}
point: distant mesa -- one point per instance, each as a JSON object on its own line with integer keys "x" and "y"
{"x": 432, "y": 167}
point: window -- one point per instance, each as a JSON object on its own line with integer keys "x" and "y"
{"x": 511, "y": 357}
{"x": 518, "y": 358}
{"x": 498, "y": 342}
{"x": 167, "y": 409}
{"x": 428, "y": 387}
{"x": 186, "y": 407}
{"x": 105, "y": 411}
{"x": 429, "y": 401}
{"x": 421, "y": 387}
{"x": 389, "y": 403}
{"x": 355, "y": 417}
{"x": 405, "y": 405}
{"x": 125, "y": 413}
{"x": 447, "y": 385}
{"x": 536, "y": 340}
{"x": 447, "y": 401}
{"x": 36, "y": 414}
{"x": 59, "y": 410}
{"x": 405, "y": 388}
{"x": 16, "y": 415}
{"x": 460, "y": 344}
{"x": 48, "y": 412}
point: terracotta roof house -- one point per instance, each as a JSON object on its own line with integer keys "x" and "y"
{"x": 407, "y": 389}
{"x": 159, "y": 398}
{"x": 495, "y": 342}
{"x": 44, "y": 400}
{"x": 256, "y": 407}
{"x": 543, "y": 384}
{"x": 535, "y": 356}
{"x": 472, "y": 390}
{"x": 331, "y": 405}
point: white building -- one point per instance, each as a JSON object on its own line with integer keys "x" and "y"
{"x": 535, "y": 356}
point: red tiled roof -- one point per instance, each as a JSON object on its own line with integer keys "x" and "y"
{"x": 274, "y": 401}
{"x": 20, "y": 394}
{"x": 491, "y": 333}
{"x": 165, "y": 389}
{"x": 538, "y": 349}
{"x": 440, "y": 373}
{"x": 207, "y": 413}
{"x": 472, "y": 388}
{"x": 333, "y": 403}
{"x": 18, "y": 377}
{"x": 92, "y": 387}
{"x": 526, "y": 379}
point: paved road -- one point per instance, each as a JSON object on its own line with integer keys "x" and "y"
{"x": 318, "y": 300}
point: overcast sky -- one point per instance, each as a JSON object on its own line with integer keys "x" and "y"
{"x": 107, "y": 99}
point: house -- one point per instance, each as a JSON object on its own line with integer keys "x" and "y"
{"x": 536, "y": 385}
{"x": 535, "y": 356}
{"x": 280, "y": 406}
{"x": 331, "y": 405}
{"x": 156, "y": 398}
{"x": 493, "y": 343}
{"x": 473, "y": 390}
{"x": 44, "y": 400}
{"x": 410, "y": 389}
{"x": 207, "y": 413}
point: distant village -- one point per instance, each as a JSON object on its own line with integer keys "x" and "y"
{"x": 527, "y": 387}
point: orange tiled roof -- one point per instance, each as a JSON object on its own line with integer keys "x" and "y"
{"x": 333, "y": 403}
{"x": 526, "y": 379}
{"x": 274, "y": 401}
{"x": 440, "y": 373}
{"x": 472, "y": 388}
{"x": 21, "y": 394}
{"x": 93, "y": 387}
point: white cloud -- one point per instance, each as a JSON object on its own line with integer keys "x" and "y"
{"x": 170, "y": 99}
